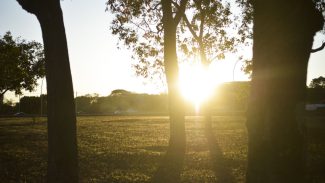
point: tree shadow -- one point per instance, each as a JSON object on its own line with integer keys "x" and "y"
{"x": 171, "y": 165}
{"x": 219, "y": 163}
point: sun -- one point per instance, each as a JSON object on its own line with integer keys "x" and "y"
{"x": 197, "y": 83}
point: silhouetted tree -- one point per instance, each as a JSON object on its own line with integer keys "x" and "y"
{"x": 62, "y": 142}
{"x": 150, "y": 20}
{"x": 318, "y": 82}
{"x": 21, "y": 63}
{"x": 210, "y": 24}
{"x": 120, "y": 92}
{"x": 7, "y": 108}
{"x": 176, "y": 104}
{"x": 141, "y": 26}
{"x": 283, "y": 36}
{"x": 214, "y": 29}
{"x": 32, "y": 104}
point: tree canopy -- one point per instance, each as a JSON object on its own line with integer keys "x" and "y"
{"x": 207, "y": 30}
{"x": 22, "y": 64}
{"x": 247, "y": 5}
{"x": 318, "y": 83}
{"x": 216, "y": 27}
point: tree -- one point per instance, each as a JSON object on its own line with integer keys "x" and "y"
{"x": 202, "y": 28}
{"x": 318, "y": 83}
{"x": 214, "y": 28}
{"x": 118, "y": 92}
{"x": 281, "y": 49}
{"x": 134, "y": 22}
{"x": 141, "y": 25}
{"x": 62, "y": 142}
{"x": 247, "y": 68}
{"x": 22, "y": 64}
{"x": 176, "y": 104}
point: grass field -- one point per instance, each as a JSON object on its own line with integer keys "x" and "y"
{"x": 129, "y": 149}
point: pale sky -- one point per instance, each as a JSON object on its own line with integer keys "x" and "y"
{"x": 96, "y": 63}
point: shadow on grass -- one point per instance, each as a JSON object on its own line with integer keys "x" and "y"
{"x": 220, "y": 163}
{"x": 171, "y": 166}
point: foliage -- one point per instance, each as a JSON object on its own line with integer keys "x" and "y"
{"x": 318, "y": 83}
{"x": 120, "y": 92}
{"x": 229, "y": 96}
{"x": 248, "y": 16}
{"x": 315, "y": 95}
{"x": 139, "y": 25}
{"x": 216, "y": 27}
{"x": 248, "y": 68}
{"x": 7, "y": 108}
{"x": 22, "y": 64}
{"x": 32, "y": 105}
{"x": 122, "y": 102}
{"x": 320, "y": 5}
{"x": 204, "y": 29}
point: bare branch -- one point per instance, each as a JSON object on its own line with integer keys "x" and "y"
{"x": 318, "y": 49}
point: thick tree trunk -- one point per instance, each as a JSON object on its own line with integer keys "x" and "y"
{"x": 62, "y": 142}
{"x": 63, "y": 157}
{"x": 176, "y": 105}
{"x": 283, "y": 37}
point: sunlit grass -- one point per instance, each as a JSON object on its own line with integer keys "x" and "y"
{"x": 121, "y": 149}
{"x": 130, "y": 149}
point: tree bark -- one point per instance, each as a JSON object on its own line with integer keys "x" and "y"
{"x": 283, "y": 37}
{"x": 1, "y": 99}
{"x": 62, "y": 142}
{"x": 176, "y": 105}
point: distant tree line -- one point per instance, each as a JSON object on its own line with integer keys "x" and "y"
{"x": 229, "y": 96}
{"x": 232, "y": 96}
{"x": 122, "y": 102}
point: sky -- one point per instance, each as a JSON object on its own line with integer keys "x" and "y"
{"x": 97, "y": 65}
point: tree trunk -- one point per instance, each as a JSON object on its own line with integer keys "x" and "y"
{"x": 1, "y": 99}
{"x": 283, "y": 37}
{"x": 62, "y": 142}
{"x": 1, "y": 102}
{"x": 176, "y": 105}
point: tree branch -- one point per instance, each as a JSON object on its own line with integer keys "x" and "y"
{"x": 31, "y": 6}
{"x": 155, "y": 8}
{"x": 202, "y": 18}
{"x": 318, "y": 49}
{"x": 3, "y": 92}
{"x": 188, "y": 24}
{"x": 181, "y": 9}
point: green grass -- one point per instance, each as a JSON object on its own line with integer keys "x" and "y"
{"x": 128, "y": 149}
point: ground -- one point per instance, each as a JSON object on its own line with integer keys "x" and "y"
{"x": 131, "y": 149}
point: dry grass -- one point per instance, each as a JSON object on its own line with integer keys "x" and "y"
{"x": 127, "y": 149}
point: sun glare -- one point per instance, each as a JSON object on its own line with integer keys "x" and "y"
{"x": 198, "y": 83}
